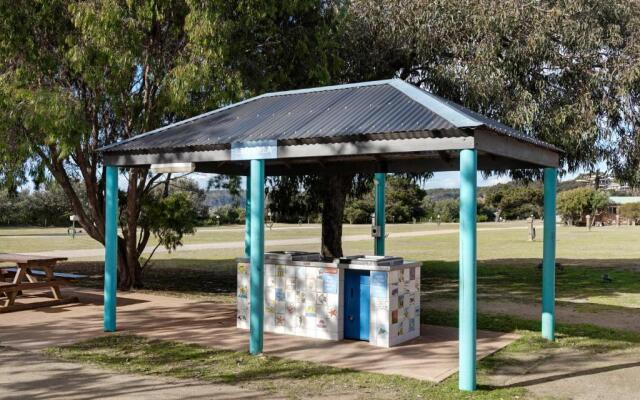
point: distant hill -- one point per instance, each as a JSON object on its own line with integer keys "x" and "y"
{"x": 221, "y": 197}
{"x": 445, "y": 194}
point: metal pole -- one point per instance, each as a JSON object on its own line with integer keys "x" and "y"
{"x": 379, "y": 181}
{"x": 110, "y": 248}
{"x": 247, "y": 219}
{"x": 549, "y": 255}
{"x": 467, "y": 273}
{"x": 257, "y": 257}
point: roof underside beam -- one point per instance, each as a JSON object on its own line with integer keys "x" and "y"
{"x": 511, "y": 148}
{"x": 419, "y": 163}
{"x": 306, "y": 151}
{"x": 416, "y": 155}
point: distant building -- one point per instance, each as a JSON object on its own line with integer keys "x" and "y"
{"x": 613, "y": 209}
{"x": 604, "y": 182}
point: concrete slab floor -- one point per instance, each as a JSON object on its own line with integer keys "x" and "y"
{"x": 432, "y": 357}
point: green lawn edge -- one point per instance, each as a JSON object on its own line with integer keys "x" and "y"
{"x": 127, "y": 353}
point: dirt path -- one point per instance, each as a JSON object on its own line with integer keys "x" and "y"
{"x": 268, "y": 243}
{"x": 573, "y": 374}
{"x": 567, "y": 373}
{"x": 628, "y": 320}
{"x": 27, "y": 375}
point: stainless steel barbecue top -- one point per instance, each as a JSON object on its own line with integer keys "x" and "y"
{"x": 288, "y": 256}
{"x": 378, "y": 261}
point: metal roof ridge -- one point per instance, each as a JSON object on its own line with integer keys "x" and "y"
{"x": 270, "y": 94}
{"x": 329, "y": 88}
{"x": 435, "y": 104}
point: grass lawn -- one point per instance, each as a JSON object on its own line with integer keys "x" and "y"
{"x": 502, "y": 274}
{"x": 289, "y": 378}
{"x": 507, "y": 272}
{"x": 297, "y": 379}
{"x": 495, "y": 241}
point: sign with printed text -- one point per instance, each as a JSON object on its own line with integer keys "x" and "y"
{"x": 254, "y": 150}
{"x": 329, "y": 282}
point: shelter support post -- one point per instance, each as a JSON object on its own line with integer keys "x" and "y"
{"x": 257, "y": 256}
{"x": 247, "y": 219}
{"x": 379, "y": 181}
{"x": 549, "y": 255}
{"x": 467, "y": 273}
{"x": 110, "y": 248}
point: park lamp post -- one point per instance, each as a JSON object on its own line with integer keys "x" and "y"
{"x": 72, "y": 230}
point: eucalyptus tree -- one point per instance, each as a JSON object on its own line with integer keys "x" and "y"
{"x": 282, "y": 45}
{"x": 78, "y": 75}
{"x": 563, "y": 71}
{"x": 75, "y": 76}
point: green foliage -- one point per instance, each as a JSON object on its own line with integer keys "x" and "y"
{"x": 630, "y": 211}
{"x": 565, "y": 72}
{"x": 428, "y": 205}
{"x": 194, "y": 193}
{"x": 403, "y": 202}
{"x": 226, "y": 215}
{"x": 358, "y": 211}
{"x": 294, "y": 198}
{"x": 574, "y": 205}
{"x": 447, "y": 210}
{"x": 515, "y": 201}
{"x": 47, "y": 206}
{"x": 485, "y": 212}
{"x": 75, "y": 76}
{"x": 170, "y": 218}
{"x": 403, "y": 199}
{"x": 280, "y": 45}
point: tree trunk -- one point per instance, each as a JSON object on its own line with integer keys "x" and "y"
{"x": 334, "y": 196}
{"x": 132, "y": 267}
{"x": 126, "y": 276}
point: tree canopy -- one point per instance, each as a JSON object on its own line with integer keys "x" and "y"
{"x": 574, "y": 205}
{"x": 516, "y": 201}
{"x": 565, "y": 72}
{"x": 75, "y": 76}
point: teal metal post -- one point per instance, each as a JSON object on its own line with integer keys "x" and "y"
{"x": 467, "y": 273}
{"x": 110, "y": 248}
{"x": 257, "y": 257}
{"x": 549, "y": 255}
{"x": 379, "y": 181}
{"x": 247, "y": 219}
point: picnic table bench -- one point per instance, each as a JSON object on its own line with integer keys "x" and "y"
{"x": 25, "y": 279}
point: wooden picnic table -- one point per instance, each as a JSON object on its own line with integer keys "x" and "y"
{"x": 24, "y": 279}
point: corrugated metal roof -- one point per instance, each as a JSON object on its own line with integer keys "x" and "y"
{"x": 379, "y": 109}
